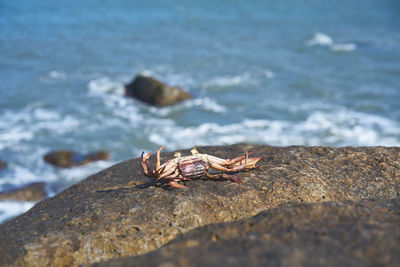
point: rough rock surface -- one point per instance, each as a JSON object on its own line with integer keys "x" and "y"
{"x": 30, "y": 192}
{"x": 108, "y": 215}
{"x": 154, "y": 92}
{"x": 2, "y": 164}
{"x": 365, "y": 233}
{"x": 67, "y": 158}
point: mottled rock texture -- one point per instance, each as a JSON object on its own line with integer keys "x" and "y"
{"x": 154, "y": 92}
{"x": 363, "y": 233}
{"x": 68, "y": 158}
{"x": 108, "y": 215}
{"x": 30, "y": 192}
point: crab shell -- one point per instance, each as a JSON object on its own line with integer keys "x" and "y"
{"x": 192, "y": 167}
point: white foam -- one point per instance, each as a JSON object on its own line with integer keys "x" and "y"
{"x": 269, "y": 74}
{"x": 337, "y": 128}
{"x": 226, "y": 81}
{"x": 18, "y": 174}
{"x": 148, "y": 73}
{"x": 76, "y": 174}
{"x": 9, "y": 209}
{"x": 105, "y": 85}
{"x": 169, "y": 76}
{"x": 204, "y": 103}
{"x": 320, "y": 39}
{"x": 43, "y": 114}
{"x": 25, "y": 124}
{"x": 13, "y": 135}
{"x": 55, "y": 74}
{"x": 344, "y": 47}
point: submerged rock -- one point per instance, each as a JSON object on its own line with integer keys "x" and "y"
{"x": 67, "y": 158}
{"x": 2, "y": 164}
{"x": 363, "y": 233}
{"x": 154, "y": 92}
{"x": 30, "y": 192}
{"x": 112, "y": 214}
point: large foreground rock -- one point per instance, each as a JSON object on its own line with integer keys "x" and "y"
{"x": 154, "y": 92}
{"x": 108, "y": 215}
{"x": 325, "y": 234}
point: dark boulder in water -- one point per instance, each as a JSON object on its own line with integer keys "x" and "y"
{"x": 67, "y": 158}
{"x": 2, "y": 164}
{"x": 30, "y": 192}
{"x": 154, "y": 92}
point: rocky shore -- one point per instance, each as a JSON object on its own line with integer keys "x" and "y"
{"x": 304, "y": 205}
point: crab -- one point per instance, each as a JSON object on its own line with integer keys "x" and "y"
{"x": 196, "y": 166}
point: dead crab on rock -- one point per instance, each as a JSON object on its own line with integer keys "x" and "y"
{"x": 195, "y": 166}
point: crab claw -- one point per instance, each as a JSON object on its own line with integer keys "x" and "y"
{"x": 144, "y": 160}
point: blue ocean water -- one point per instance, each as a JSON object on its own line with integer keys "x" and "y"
{"x": 305, "y": 72}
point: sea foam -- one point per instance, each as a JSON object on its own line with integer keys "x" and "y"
{"x": 226, "y": 81}
{"x": 322, "y": 39}
{"x": 340, "y": 128}
{"x": 9, "y": 209}
{"x": 105, "y": 85}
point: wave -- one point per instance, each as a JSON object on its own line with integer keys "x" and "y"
{"x": 226, "y": 81}
{"x": 168, "y": 75}
{"x": 321, "y": 39}
{"x": 56, "y": 74}
{"x": 320, "y": 128}
{"x": 105, "y": 85}
{"x": 23, "y": 125}
{"x": 344, "y": 47}
{"x": 205, "y": 103}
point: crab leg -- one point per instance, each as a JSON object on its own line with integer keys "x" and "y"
{"x": 233, "y": 168}
{"x": 251, "y": 163}
{"x": 146, "y": 165}
{"x": 158, "y": 158}
{"x": 175, "y": 184}
{"x": 232, "y": 178}
{"x": 239, "y": 159}
{"x": 167, "y": 170}
{"x": 225, "y": 162}
{"x": 172, "y": 176}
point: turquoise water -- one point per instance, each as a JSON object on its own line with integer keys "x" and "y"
{"x": 267, "y": 72}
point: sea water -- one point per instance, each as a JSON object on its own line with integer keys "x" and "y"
{"x": 281, "y": 73}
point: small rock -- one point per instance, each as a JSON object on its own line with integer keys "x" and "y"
{"x": 2, "y": 164}
{"x": 154, "y": 92}
{"x": 30, "y": 192}
{"x": 67, "y": 158}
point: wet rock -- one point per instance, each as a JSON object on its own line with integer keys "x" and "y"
{"x": 154, "y": 92}
{"x": 111, "y": 214}
{"x": 2, "y": 164}
{"x": 30, "y": 192}
{"x": 362, "y": 233}
{"x": 67, "y": 158}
